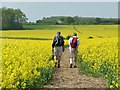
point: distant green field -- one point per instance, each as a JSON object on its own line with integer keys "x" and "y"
{"x": 44, "y": 27}
{"x": 48, "y": 31}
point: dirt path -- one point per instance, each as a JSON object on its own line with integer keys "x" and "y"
{"x": 65, "y": 77}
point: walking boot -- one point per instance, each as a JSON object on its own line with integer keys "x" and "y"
{"x": 55, "y": 64}
{"x": 58, "y": 65}
{"x": 70, "y": 65}
{"x": 75, "y": 66}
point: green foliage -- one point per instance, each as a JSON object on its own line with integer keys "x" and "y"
{"x": 12, "y": 18}
{"x": 67, "y": 20}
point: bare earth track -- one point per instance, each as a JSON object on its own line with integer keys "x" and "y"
{"x": 65, "y": 77}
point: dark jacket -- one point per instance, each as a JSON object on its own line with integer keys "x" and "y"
{"x": 58, "y": 41}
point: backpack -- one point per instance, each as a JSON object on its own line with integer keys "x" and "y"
{"x": 74, "y": 42}
{"x": 59, "y": 41}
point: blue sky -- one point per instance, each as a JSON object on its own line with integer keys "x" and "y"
{"x": 38, "y": 10}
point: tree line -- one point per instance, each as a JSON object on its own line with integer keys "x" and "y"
{"x": 76, "y": 20}
{"x": 15, "y": 19}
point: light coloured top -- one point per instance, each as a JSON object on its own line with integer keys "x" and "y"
{"x": 70, "y": 41}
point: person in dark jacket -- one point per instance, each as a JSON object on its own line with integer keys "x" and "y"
{"x": 58, "y": 47}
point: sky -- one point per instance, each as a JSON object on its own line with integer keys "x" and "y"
{"x": 37, "y": 10}
{"x": 60, "y": 0}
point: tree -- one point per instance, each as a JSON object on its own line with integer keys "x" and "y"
{"x": 76, "y": 20}
{"x": 69, "y": 20}
{"x": 12, "y": 18}
{"x": 98, "y": 20}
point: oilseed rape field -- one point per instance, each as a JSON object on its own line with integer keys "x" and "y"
{"x": 26, "y": 64}
{"x": 100, "y": 58}
{"x": 27, "y": 54}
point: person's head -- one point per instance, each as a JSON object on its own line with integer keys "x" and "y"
{"x": 58, "y": 33}
{"x": 74, "y": 34}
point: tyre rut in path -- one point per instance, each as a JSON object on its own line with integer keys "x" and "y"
{"x": 65, "y": 77}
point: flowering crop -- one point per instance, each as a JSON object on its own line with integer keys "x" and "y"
{"x": 26, "y": 64}
{"x": 100, "y": 57}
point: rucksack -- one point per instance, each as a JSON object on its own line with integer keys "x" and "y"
{"x": 59, "y": 41}
{"x": 74, "y": 42}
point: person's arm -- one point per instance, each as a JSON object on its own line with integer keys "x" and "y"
{"x": 70, "y": 41}
{"x": 63, "y": 48}
{"x": 53, "y": 47}
{"x": 53, "y": 44}
{"x": 78, "y": 42}
{"x": 63, "y": 44}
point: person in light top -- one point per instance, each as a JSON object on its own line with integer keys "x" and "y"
{"x": 73, "y": 49}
